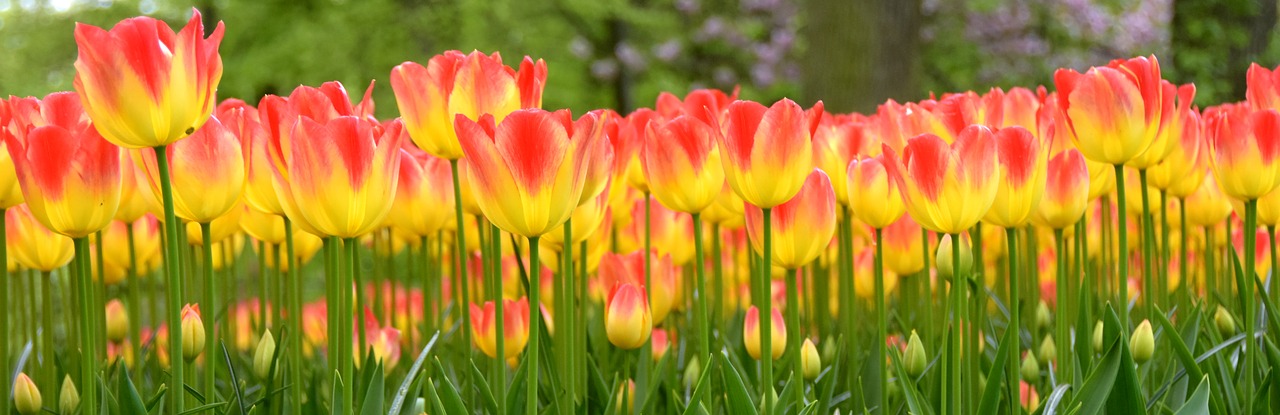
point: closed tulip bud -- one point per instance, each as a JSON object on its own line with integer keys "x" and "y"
{"x": 945, "y": 261}
{"x": 627, "y": 394}
{"x": 1030, "y": 367}
{"x": 1143, "y": 343}
{"x": 1048, "y": 351}
{"x": 1226, "y": 324}
{"x": 26, "y": 396}
{"x": 69, "y": 398}
{"x": 692, "y": 371}
{"x": 263, "y": 356}
{"x": 192, "y": 332}
{"x": 117, "y": 321}
{"x": 751, "y": 334}
{"x": 627, "y": 319}
{"x": 809, "y": 360}
{"x": 915, "y": 359}
{"x": 1097, "y": 338}
{"x": 1043, "y": 316}
{"x": 829, "y": 350}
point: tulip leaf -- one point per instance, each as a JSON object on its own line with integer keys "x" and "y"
{"x": 235, "y": 384}
{"x": 155, "y": 400}
{"x": 656, "y": 381}
{"x": 373, "y": 396}
{"x": 1126, "y": 397}
{"x": 786, "y": 398}
{"x": 740, "y": 401}
{"x": 449, "y": 397}
{"x": 196, "y": 410}
{"x": 436, "y": 406}
{"x": 991, "y": 396}
{"x": 481, "y": 384}
{"x": 916, "y": 403}
{"x": 611, "y": 408}
{"x": 130, "y": 401}
{"x": 703, "y": 380}
{"x": 1097, "y": 387}
{"x": 335, "y": 397}
{"x": 1180, "y": 349}
{"x": 397, "y": 402}
{"x": 1055, "y": 399}
{"x": 519, "y": 385}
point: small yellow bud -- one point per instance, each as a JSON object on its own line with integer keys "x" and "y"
{"x": 263, "y": 355}
{"x": 915, "y": 359}
{"x": 1097, "y": 337}
{"x": 69, "y": 398}
{"x": 192, "y": 333}
{"x": 945, "y": 262}
{"x": 26, "y": 396}
{"x": 1048, "y": 351}
{"x": 1043, "y": 317}
{"x": 1030, "y": 367}
{"x": 1143, "y": 343}
{"x": 117, "y": 321}
{"x": 810, "y": 362}
{"x": 1226, "y": 324}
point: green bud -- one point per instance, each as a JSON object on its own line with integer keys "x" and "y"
{"x": 1030, "y": 368}
{"x": 263, "y": 355}
{"x": 915, "y": 359}
{"x": 1043, "y": 316}
{"x": 1048, "y": 351}
{"x": 692, "y": 371}
{"x": 69, "y": 398}
{"x": 1097, "y": 337}
{"x": 1143, "y": 343}
{"x": 944, "y": 259}
{"x": 1226, "y": 324}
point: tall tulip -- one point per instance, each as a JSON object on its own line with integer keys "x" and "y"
{"x": 627, "y": 319}
{"x": 424, "y": 194}
{"x": 874, "y": 196}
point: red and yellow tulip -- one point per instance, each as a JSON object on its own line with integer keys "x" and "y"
{"x": 1244, "y": 148}
{"x": 767, "y": 152}
{"x": 802, "y": 227}
{"x": 1023, "y": 164}
{"x": 1066, "y": 193}
{"x": 873, "y": 195}
{"x": 424, "y": 194}
{"x": 31, "y": 244}
{"x": 1113, "y": 112}
{"x": 947, "y": 188}
{"x": 681, "y": 163}
{"x": 515, "y": 327}
{"x": 751, "y": 333}
{"x": 207, "y": 171}
{"x": 627, "y": 320}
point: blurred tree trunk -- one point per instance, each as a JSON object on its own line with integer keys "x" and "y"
{"x": 861, "y": 52}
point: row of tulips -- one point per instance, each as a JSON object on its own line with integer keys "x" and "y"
{"x": 556, "y": 245}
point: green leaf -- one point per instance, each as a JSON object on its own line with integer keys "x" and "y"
{"x": 397, "y": 402}
{"x": 703, "y": 380}
{"x": 486, "y": 394}
{"x": 1126, "y": 396}
{"x": 1055, "y": 399}
{"x": 1180, "y": 349}
{"x": 991, "y": 396}
{"x": 197, "y": 409}
{"x": 519, "y": 385}
{"x": 1198, "y": 403}
{"x": 740, "y": 401}
{"x": 785, "y": 399}
{"x": 1097, "y": 387}
{"x": 916, "y": 403}
{"x": 130, "y": 402}
{"x": 373, "y": 395}
{"x": 437, "y": 408}
{"x": 335, "y": 399}
{"x": 449, "y": 397}
{"x": 235, "y": 384}
{"x": 155, "y": 400}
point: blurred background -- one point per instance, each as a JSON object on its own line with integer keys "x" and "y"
{"x": 852, "y": 54}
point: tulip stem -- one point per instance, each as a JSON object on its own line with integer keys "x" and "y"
{"x": 882, "y": 330}
{"x": 564, "y": 313}
{"x": 6, "y": 384}
{"x": 1061, "y": 316}
{"x": 353, "y": 266}
{"x": 461, "y": 276}
{"x": 495, "y": 255}
{"x": 294, "y": 312}
{"x": 958, "y": 311}
{"x": 210, "y": 312}
{"x": 1148, "y": 239}
{"x": 1163, "y": 280}
{"x": 717, "y": 273}
{"x": 766, "y": 319}
{"x": 135, "y": 302}
{"x": 1015, "y": 376}
{"x": 535, "y": 328}
{"x": 1271, "y": 249}
{"x": 646, "y": 349}
{"x": 581, "y": 325}
{"x": 264, "y": 286}
{"x": 88, "y": 341}
{"x": 704, "y": 325}
{"x": 173, "y": 265}
{"x": 1122, "y": 262}
{"x": 1246, "y": 287}
{"x": 46, "y": 341}
{"x": 351, "y": 276}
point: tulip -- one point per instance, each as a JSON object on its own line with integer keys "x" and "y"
{"x": 664, "y": 278}
{"x": 944, "y": 260}
{"x": 117, "y": 321}
{"x": 68, "y": 398}
{"x": 751, "y": 334}
{"x": 903, "y": 247}
{"x": 681, "y": 163}
{"x": 1225, "y": 323}
{"x": 1066, "y": 192}
{"x": 1207, "y": 206}
{"x": 26, "y": 396}
{"x": 136, "y": 197}
{"x": 244, "y": 122}
{"x": 1183, "y": 163}
{"x": 874, "y": 196}
{"x": 70, "y": 175}
{"x": 661, "y": 343}
{"x": 144, "y": 85}
{"x": 1243, "y": 147}
{"x": 193, "y": 333}
{"x": 1097, "y": 337}
{"x": 1263, "y": 87}
{"x": 264, "y": 356}
{"x": 1114, "y": 112}
{"x": 384, "y": 342}
{"x": 1023, "y": 162}
{"x": 1028, "y": 398}
{"x": 1030, "y": 369}
{"x": 32, "y": 245}
{"x": 838, "y": 141}
{"x": 627, "y": 319}
{"x": 1048, "y": 351}
{"x": 947, "y": 189}
{"x": 207, "y": 172}
{"x": 810, "y": 362}
{"x": 515, "y": 328}
{"x": 802, "y": 226}
{"x": 454, "y": 84}
{"x": 424, "y": 194}
{"x": 705, "y": 104}
{"x": 914, "y": 359}
{"x": 10, "y": 190}
{"x": 1142, "y": 344}
{"x": 767, "y": 152}
{"x": 669, "y": 232}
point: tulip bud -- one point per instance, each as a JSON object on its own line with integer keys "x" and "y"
{"x": 192, "y": 332}
{"x": 944, "y": 259}
{"x": 1143, "y": 343}
{"x": 1030, "y": 367}
{"x": 1043, "y": 317}
{"x": 69, "y": 398}
{"x": 692, "y": 371}
{"x": 26, "y": 396}
{"x": 1226, "y": 323}
{"x": 263, "y": 355}
{"x": 751, "y": 334}
{"x": 1048, "y": 351}
{"x": 829, "y": 350}
{"x": 809, "y": 360}
{"x": 1097, "y": 337}
{"x": 627, "y": 319}
{"x": 117, "y": 321}
{"x": 915, "y": 357}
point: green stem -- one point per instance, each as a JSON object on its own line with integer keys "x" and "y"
{"x": 717, "y": 273}
{"x": 333, "y": 305}
{"x": 210, "y": 311}
{"x": 100, "y": 298}
{"x": 647, "y": 348}
{"x": 88, "y": 342}
{"x": 135, "y": 301}
{"x": 766, "y": 312}
{"x": 1148, "y": 239}
{"x": 882, "y": 326}
{"x": 957, "y": 327}
{"x": 1015, "y": 323}
{"x": 1210, "y": 277}
{"x": 793, "y": 335}
{"x": 46, "y": 341}
{"x": 581, "y": 307}
{"x": 495, "y": 253}
{"x": 704, "y": 326}
{"x": 1184, "y": 269}
{"x": 1271, "y": 233}
{"x": 535, "y": 328}
{"x": 1162, "y": 282}
{"x": 1122, "y": 262}
{"x": 295, "y": 320}
{"x": 357, "y": 277}
{"x": 1060, "y": 317}
{"x": 4, "y": 320}
{"x": 461, "y": 276}
{"x": 564, "y": 312}
{"x": 1246, "y": 289}
{"x": 173, "y": 265}
{"x": 351, "y": 277}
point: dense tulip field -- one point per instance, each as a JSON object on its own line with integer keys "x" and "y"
{"x": 1104, "y": 247}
